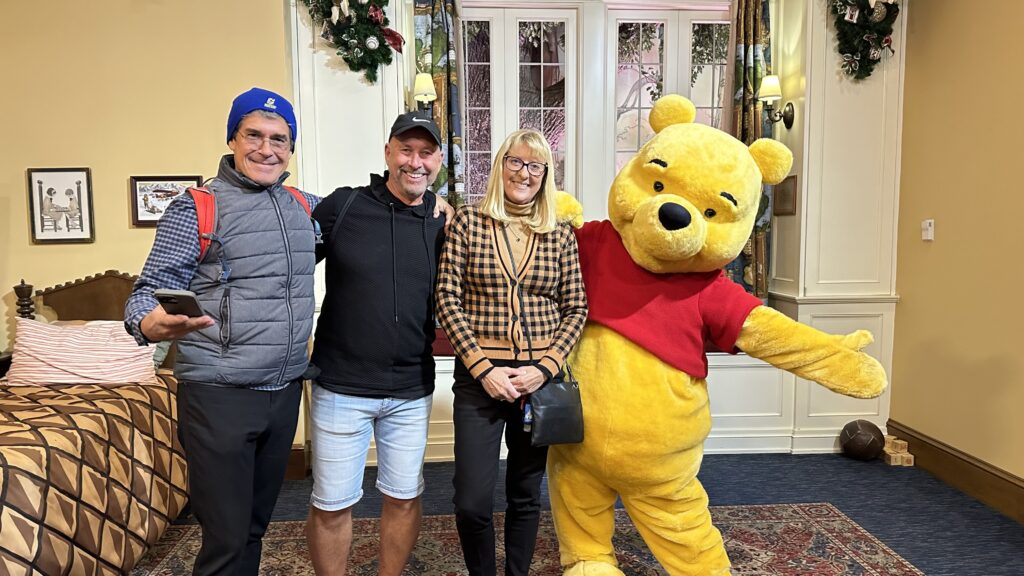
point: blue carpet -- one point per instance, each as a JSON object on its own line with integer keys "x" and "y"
{"x": 938, "y": 529}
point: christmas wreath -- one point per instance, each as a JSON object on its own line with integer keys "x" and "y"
{"x": 359, "y": 30}
{"x": 863, "y": 33}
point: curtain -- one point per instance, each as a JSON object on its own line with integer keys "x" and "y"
{"x": 751, "y": 31}
{"x": 753, "y": 62}
{"x": 436, "y": 39}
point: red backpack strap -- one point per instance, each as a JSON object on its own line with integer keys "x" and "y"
{"x": 302, "y": 199}
{"x": 206, "y": 215}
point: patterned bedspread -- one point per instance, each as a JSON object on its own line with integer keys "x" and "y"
{"x": 90, "y": 476}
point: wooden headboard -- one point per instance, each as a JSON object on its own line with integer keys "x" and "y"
{"x": 96, "y": 297}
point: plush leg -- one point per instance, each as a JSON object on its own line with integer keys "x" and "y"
{"x": 583, "y": 510}
{"x": 677, "y": 528}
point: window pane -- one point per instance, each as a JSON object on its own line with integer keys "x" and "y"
{"x": 529, "y": 86}
{"x": 478, "y": 40}
{"x": 652, "y": 43}
{"x": 702, "y": 90}
{"x": 478, "y": 168}
{"x": 721, "y": 41}
{"x": 651, "y": 82}
{"x": 644, "y": 127}
{"x": 529, "y": 119}
{"x": 478, "y": 85}
{"x": 705, "y": 116}
{"x": 553, "y": 45}
{"x": 530, "y": 41}
{"x": 559, "y": 161}
{"x": 621, "y": 158}
{"x": 627, "y": 130}
{"x": 629, "y": 43}
{"x": 478, "y": 130}
{"x": 554, "y": 128}
{"x": 554, "y": 86}
{"x": 627, "y": 87}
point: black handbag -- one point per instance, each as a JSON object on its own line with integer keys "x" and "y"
{"x": 557, "y": 412}
{"x": 553, "y": 412}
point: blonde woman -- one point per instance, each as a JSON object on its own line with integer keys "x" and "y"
{"x": 510, "y": 297}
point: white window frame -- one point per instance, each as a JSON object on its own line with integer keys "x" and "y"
{"x": 504, "y": 27}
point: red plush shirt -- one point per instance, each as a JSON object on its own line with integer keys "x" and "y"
{"x": 669, "y": 315}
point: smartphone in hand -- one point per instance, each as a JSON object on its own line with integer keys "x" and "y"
{"x": 179, "y": 302}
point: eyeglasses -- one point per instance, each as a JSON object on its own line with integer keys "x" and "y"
{"x": 278, "y": 143}
{"x": 516, "y": 164}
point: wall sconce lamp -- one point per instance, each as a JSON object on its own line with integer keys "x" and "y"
{"x": 770, "y": 92}
{"x": 423, "y": 91}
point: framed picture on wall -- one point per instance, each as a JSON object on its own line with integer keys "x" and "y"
{"x": 150, "y": 195}
{"x": 60, "y": 205}
{"x": 785, "y": 197}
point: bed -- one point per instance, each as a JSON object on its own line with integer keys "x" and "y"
{"x": 91, "y": 474}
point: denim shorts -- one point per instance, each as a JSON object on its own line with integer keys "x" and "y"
{"x": 340, "y": 436}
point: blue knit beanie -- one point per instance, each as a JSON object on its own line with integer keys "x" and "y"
{"x": 260, "y": 99}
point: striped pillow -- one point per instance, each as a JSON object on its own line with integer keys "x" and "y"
{"x": 96, "y": 353}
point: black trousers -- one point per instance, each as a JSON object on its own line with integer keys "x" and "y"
{"x": 479, "y": 423}
{"x": 236, "y": 445}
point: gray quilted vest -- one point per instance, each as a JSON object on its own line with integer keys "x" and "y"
{"x": 256, "y": 282}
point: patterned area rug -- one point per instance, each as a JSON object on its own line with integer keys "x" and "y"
{"x": 778, "y": 539}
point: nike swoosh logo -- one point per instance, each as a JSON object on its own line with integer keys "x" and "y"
{"x": 420, "y": 120}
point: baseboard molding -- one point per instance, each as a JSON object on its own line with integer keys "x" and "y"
{"x": 996, "y": 488}
{"x": 298, "y": 464}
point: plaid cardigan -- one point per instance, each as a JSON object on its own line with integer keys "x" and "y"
{"x": 478, "y": 301}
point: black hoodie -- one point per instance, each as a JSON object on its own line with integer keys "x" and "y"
{"x": 376, "y": 325}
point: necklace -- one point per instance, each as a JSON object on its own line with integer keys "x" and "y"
{"x": 515, "y": 234}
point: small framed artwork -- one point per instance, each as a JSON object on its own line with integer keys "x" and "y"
{"x": 60, "y": 205}
{"x": 150, "y": 195}
{"x": 784, "y": 199}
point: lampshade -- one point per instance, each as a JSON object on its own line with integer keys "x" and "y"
{"x": 770, "y": 89}
{"x": 424, "y": 91}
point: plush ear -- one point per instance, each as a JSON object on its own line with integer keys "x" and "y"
{"x": 672, "y": 109}
{"x": 773, "y": 158}
{"x": 568, "y": 209}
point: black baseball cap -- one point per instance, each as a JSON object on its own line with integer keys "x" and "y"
{"x": 413, "y": 120}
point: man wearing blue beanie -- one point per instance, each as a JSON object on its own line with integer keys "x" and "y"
{"x": 240, "y": 366}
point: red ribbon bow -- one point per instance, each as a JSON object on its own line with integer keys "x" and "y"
{"x": 394, "y": 39}
{"x": 376, "y": 14}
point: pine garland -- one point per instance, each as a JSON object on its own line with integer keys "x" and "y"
{"x": 359, "y": 30}
{"x": 863, "y": 33}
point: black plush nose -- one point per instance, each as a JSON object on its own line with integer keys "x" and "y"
{"x": 673, "y": 216}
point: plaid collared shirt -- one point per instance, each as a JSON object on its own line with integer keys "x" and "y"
{"x": 478, "y": 296}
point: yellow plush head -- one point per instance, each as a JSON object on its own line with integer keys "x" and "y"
{"x": 688, "y": 199}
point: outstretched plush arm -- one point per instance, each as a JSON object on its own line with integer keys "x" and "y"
{"x": 835, "y": 362}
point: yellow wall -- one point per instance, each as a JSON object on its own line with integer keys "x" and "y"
{"x": 958, "y": 365}
{"x": 124, "y": 87}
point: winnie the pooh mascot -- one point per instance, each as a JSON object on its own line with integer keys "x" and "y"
{"x": 680, "y": 210}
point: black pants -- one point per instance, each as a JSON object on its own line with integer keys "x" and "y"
{"x": 479, "y": 423}
{"x": 236, "y": 445}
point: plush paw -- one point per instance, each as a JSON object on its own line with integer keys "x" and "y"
{"x": 592, "y": 568}
{"x": 857, "y": 340}
{"x": 568, "y": 209}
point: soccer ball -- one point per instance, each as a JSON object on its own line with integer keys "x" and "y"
{"x": 861, "y": 440}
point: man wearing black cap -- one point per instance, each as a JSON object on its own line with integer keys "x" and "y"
{"x": 373, "y": 348}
